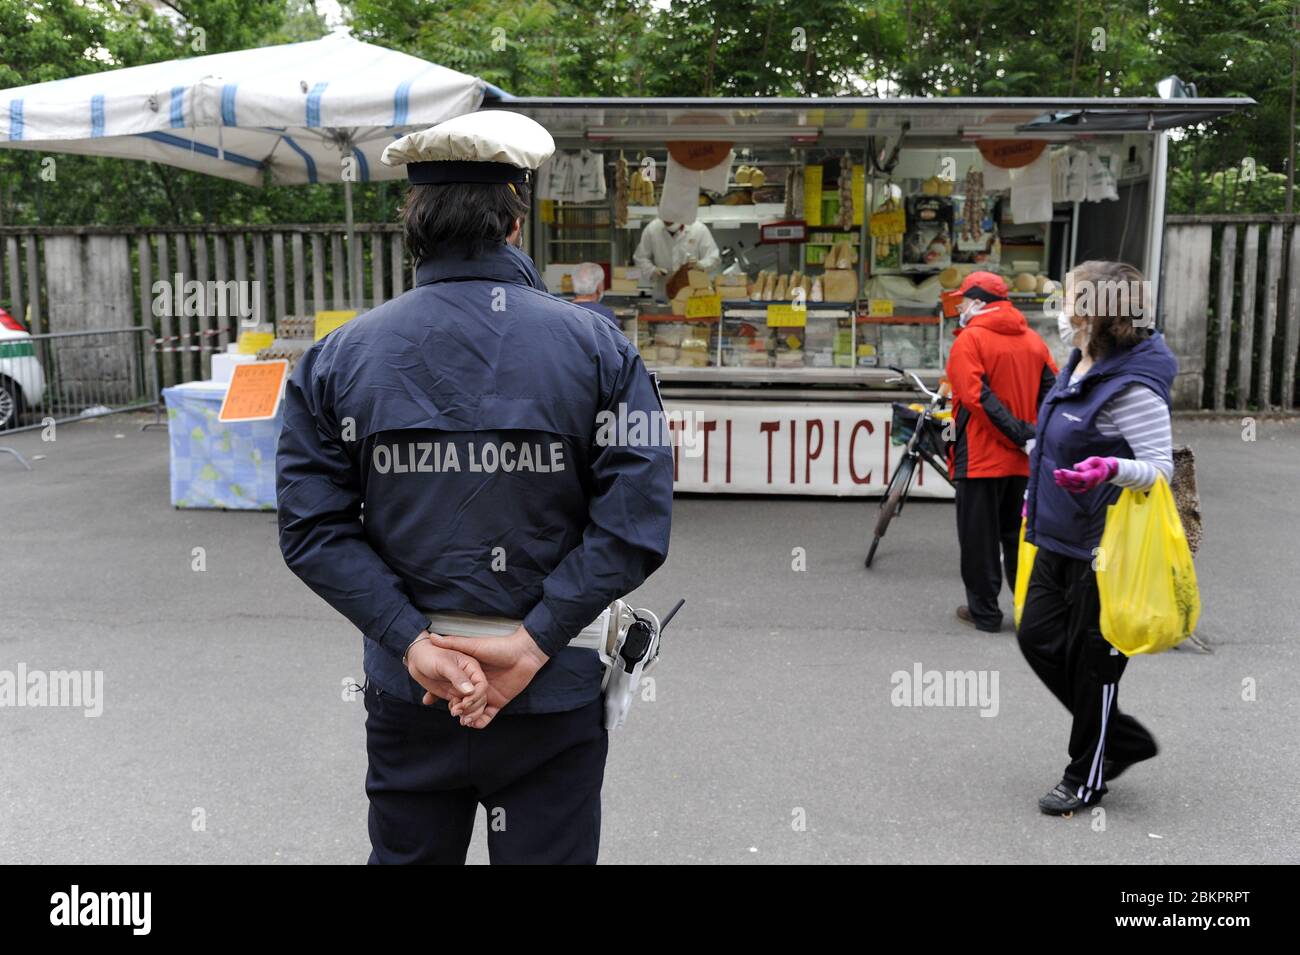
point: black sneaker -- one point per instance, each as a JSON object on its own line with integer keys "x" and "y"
{"x": 1062, "y": 801}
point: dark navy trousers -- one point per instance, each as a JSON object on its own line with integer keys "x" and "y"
{"x": 537, "y": 776}
{"x": 988, "y": 533}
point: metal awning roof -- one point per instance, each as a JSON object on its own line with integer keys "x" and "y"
{"x": 808, "y": 120}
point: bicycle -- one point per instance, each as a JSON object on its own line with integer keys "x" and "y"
{"x": 926, "y": 443}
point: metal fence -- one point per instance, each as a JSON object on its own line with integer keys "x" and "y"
{"x": 66, "y": 376}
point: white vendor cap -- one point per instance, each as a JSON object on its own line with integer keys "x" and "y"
{"x": 493, "y": 145}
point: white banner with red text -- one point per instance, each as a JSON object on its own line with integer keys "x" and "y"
{"x": 809, "y": 447}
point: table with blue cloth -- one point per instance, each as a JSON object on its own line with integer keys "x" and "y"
{"x": 215, "y": 464}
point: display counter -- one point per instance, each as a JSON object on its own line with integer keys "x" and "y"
{"x": 826, "y": 232}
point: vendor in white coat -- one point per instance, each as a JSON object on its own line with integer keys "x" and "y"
{"x": 667, "y": 246}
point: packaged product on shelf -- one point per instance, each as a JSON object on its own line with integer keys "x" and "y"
{"x": 624, "y": 278}
{"x": 732, "y": 285}
{"x": 928, "y": 242}
{"x": 840, "y": 285}
{"x": 670, "y": 333}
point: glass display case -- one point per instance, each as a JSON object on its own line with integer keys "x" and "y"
{"x": 748, "y": 338}
{"x": 778, "y": 335}
{"x": 666, "y": 340}
{"x": 900, "y": 341}
{"x": 878, "y": 281}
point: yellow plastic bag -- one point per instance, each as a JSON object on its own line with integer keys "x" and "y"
{"x": 1024, "y": 567}
{"x": 1145, "y": 577}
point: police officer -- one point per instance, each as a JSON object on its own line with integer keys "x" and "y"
{"x": 443, "y": 484}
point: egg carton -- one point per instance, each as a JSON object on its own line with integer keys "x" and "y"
{"x": 290, "y": 349}
{"x": 296, "y": 327}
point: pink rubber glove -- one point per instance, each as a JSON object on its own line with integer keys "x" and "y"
{"x": 1086, "y": 475}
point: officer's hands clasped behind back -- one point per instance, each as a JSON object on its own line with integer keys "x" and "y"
{"x": 448, "y": 674}
{"x": 509, "y": 663}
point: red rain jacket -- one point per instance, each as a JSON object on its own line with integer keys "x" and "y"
{"x": 1000, "y": 371}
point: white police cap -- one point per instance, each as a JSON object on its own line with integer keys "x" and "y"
{"x": 493, "y": 145}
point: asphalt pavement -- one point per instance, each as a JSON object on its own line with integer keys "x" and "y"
{"x": 228, "y": 734}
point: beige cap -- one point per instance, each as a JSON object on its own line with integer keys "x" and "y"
{"x": 492, "y": 145}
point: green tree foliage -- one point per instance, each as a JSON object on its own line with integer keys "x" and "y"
{"x": 681, "y": 48}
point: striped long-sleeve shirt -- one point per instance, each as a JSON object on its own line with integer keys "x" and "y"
{"x": 1141, "y": 417}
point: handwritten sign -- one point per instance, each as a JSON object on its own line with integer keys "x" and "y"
{"x": 703, "y": 306}
{"x": 250, "y": 343}
{"x": 326, "y": 322}
{"x": 255, "y": 391}
{"x": 787, "y": 316}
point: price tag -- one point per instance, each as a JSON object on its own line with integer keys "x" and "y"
{"x": 786, "y": 315}
{"x": 326, "y": 322}
{"x": 880, "y": 306}
{"x": 255, "y": 391}
{"x": 250, "y": 343}
{"x": 703, "y": 306}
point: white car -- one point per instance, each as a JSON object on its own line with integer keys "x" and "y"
{"x": 22, "y": 380}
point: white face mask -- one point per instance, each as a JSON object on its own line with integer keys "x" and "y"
{"x": 1065, "y": 329}
{"x": 968, "y": 309}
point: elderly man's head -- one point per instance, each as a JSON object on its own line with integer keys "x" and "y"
{"x": 588, "y": 280}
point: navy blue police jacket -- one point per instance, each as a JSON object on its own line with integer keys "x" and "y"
{"x": 442, "y": 452}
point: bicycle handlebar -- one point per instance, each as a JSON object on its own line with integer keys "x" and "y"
{"x": 904, "y": 374}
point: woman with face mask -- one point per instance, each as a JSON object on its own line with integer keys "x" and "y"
{"x": 1103, "y": 427}
{"x": 999, "y": 370}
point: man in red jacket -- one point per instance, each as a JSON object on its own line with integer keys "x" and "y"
{"x": 999, "y": 371}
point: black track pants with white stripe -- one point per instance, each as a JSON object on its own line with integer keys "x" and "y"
{"x": 1060, "y": 636}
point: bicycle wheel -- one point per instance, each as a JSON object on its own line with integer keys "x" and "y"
{"x": 893, "y": 502}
